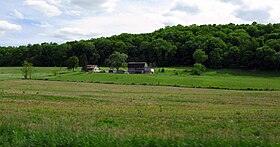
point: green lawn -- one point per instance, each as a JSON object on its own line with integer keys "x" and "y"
{"x": 214, "y": 79}
{"x": 53, "y": 113}
{"x": 8, "y": 73}
{"x": 217, "y": 79}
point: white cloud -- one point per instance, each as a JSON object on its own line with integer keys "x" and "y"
{"x": 6, "y": 26}
{"x": 110, "y": 5}
{"x": 55, "y": 2}
{"x": 183, "y": 7}
{"x": 253, "y": 15}
{"x": 275, "y": 11}
{"x": 45, "y": 25}
{"x": 92, "y": 5}
{"x": 72, "y": 33}
{"x": 200, "y": 12}
{"x": 119, "y": 23}
{"x": 43, "y": 6}
{"x": 273, "y": 7}
{"x": 18, "y": 14}
{"x": 73, "y": 12}
{"x": 82, "y": 19}
{"x": 258, "y": 10}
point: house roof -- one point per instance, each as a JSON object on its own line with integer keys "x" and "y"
{"x": 137, "y": 62}
{"x": 137, "y": 65}
{"x": 91, "y": 66}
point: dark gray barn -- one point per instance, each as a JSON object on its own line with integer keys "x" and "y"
{"x": 137, "y": 67}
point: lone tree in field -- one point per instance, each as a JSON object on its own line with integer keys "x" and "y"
{"x": 27, "y": 70}
{"x": 117, "y": 60}
{"x": 73, "y": 62}
{"x": 199, "y": 56}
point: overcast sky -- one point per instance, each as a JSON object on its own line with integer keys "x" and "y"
{"x": 36, "y": 21}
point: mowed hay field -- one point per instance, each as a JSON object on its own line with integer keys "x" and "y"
{"x": 50, "y": 113}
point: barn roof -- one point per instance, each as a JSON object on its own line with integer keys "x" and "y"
{"x": 137, "y": 62}
{"x": 91, "y": 65}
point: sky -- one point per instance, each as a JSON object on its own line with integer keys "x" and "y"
{"x": 25, "y": 22}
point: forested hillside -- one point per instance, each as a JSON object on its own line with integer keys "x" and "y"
{"x": 255, "y": 46}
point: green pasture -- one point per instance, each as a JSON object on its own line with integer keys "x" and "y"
{"x": 181, "y": 77}
{"x": 8, "y": 73}
{"x": 53, "y": 113}
{"x": 176, "y": 77}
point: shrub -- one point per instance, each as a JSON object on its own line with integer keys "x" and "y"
{"x": 55, "y": 72}
{"x": 198, "y": 69}
{"x": 27, "y": 70}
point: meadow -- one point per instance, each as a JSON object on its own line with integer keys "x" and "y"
{"x": 64, "y": 108}
{"x": 53, "y": 113}
{"x": 182, "y": 77}
{"x": 9, "y": 73}
{"x": 176, "y": 77}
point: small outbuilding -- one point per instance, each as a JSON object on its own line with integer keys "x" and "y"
{"x": 93, "y": 68}
{"x": 139, "y": 68}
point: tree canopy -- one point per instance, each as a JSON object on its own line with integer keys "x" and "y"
{"x": 117, "y": 60}
{"x": 255, "y": 46}
{"x": 200, "y": 56}
{"x": 73, "y": 62}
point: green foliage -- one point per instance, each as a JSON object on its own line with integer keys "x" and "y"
{"x": 27, "y": 70}
{"x": 56, "y": 72}
{"x": 198, "y": 69}
{"x": 266, "y": 56}
{"x": 163, "y": 52}
{"x": 200, "y": 56}
{"x": 85, "y": 51}
{"x": 233, "y": 57}
{"x": 169, "y": 46}
{"x": 120, "y": 46}
{"x": 161, "y": 70}
{"x": 274, "y": 44}
{"x": 73, "y": 62}
{"x": 216, "y": 58}
{"x": 117, "y": 60}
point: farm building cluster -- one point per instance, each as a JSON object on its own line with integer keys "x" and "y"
{"x": 133, "y": 68}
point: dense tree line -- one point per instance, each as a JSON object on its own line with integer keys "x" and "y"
{"x": 255, "y": 46}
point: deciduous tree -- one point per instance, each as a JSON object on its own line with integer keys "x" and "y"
{"x": 116, "y": 60}
{"x": 27, "y": 70}
{"x": 200, "y": 56}
{"x": 73, "y": 62}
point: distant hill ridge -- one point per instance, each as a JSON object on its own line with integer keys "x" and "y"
{"x": 249, "y": 46}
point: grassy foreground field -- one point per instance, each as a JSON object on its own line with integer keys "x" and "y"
{"x": 50, "y": 113}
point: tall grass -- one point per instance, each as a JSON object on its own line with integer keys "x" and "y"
{"x": 51, "y": 113}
